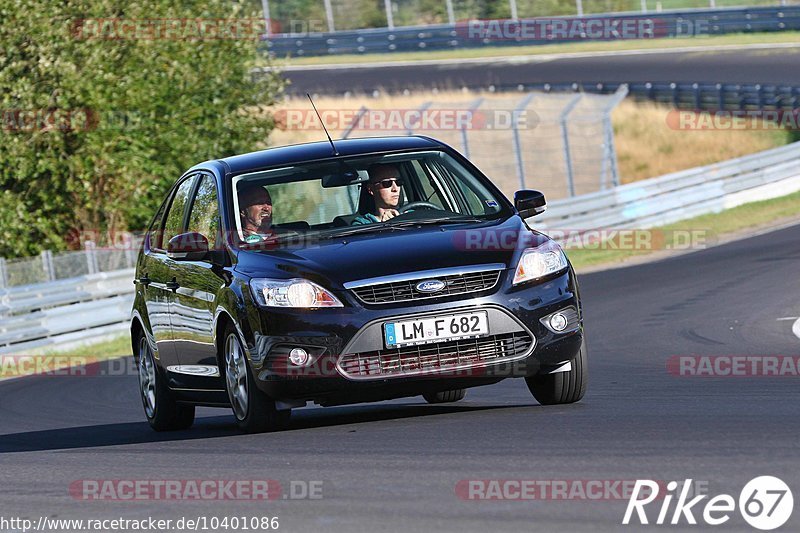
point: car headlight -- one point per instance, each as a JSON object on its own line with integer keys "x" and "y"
{"x": 535, "y": 263}
{"x": 297, "y": 293}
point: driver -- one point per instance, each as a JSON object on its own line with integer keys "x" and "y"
{"x": 384, "y": 186}
{"x": 255, "y": 212}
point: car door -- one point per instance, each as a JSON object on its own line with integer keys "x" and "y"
{"x": 198, "y": 284}
{"x": 159, "y": 271}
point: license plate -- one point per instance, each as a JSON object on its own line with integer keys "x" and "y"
{"x": 440, "y": 328}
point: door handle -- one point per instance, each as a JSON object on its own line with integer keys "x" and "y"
{"x": 172, "y": 285}
{"x": 144, "y": 280}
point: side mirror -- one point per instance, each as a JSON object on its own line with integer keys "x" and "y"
{"x": 529, "y": 203}
{"x": 188, "y": 247}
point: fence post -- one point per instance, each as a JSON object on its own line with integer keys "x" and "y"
{"x": 609, "y": 148}
{"x": 451, "y": 17}
{"x": 565, "y": 139}
{"x": 389, "y": 17}
{"x": 130, "y": 258}
{"x": 47, "y": 265}
{"x": 355, "y": 122}
{"x": 644, "y": 6}
{"x": 3, "y": 273}
{"x": 91, "y": 257}
{"x": 424, "y": 107}
{"x": 267, "y": 21}
{"x": 579, "y": 7}
{"x": 464, "y": 141}
{"x": 513, "y": 5}
{"x": 517, "y": 142}
{"x": 329, "y": 16}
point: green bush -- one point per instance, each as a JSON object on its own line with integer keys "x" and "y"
{"x": 133, "y": 113}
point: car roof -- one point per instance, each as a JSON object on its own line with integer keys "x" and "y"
{"x": 299, "y": 153}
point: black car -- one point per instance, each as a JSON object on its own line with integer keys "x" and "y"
{"x": 364, "y": 270}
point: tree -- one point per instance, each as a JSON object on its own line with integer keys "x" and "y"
{"x": 99, "y": 120}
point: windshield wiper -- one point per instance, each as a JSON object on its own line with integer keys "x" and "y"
{"x": 442, "y": 220}
{"x": 363, "y": 228}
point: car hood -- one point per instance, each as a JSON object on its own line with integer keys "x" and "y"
{"x": 342, "y": 259}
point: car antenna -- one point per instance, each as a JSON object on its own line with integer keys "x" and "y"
{"x": 335, "y": 151}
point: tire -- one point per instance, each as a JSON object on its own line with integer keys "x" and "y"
{"x": 254, "y": 411}
{"x": 445, "y": 396}
{"x": 162, "y": 411}
{"x": 562, "y": 387}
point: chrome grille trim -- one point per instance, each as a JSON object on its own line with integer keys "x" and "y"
{"x": 401, "y": 287}
{"x": 437, "y": 358}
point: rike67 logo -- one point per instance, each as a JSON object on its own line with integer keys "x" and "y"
{"x": 765, "y": 503}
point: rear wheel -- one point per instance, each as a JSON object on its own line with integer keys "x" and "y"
{"x": 162, "y": 411}
{"x": 562, "y": 387}
{"x": 254, "y": 411}
{"x": 445, "y": 396}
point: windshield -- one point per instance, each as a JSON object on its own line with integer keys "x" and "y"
{"x": 358, "y": 195}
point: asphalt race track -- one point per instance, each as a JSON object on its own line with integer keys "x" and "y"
{"x": 768, "y": 66}
{"x": 394, "y": 466}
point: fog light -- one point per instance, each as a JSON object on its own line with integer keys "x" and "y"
{"x": 298, "y": 356}
{"x": 558, "y": 322}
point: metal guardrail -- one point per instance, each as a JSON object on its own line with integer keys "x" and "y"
{"x": 42, "y": 314}
{"x": 681, "y": 195}
{"x": 90, "y": 306}
{"x": 697, "y": 96}
{"x": 455, "y": 36}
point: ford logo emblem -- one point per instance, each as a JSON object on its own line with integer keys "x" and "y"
{"x": 430, "y": 285}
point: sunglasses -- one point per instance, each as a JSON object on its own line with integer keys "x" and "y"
{"x": 385, "y": 184}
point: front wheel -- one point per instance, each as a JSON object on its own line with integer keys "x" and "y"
{"x": 254, "y": 411}
{"x": 562, "y": 387}
{"x": 162, "y": 411}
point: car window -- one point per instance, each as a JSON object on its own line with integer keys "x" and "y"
{"x": 154, "y": 230}
{"x": 204, "y": 216}
{"x": 173, "y": 224}
{"x": 428, "y": 188}
{"x": 322, "y": 196}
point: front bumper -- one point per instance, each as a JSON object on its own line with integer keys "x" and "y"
{"x": 332, "y": 337}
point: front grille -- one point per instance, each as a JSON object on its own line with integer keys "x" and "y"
{"x": 400, "y": 291}
{"x": 436, "y": 357}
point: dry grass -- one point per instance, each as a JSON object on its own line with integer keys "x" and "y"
{"x": 345, "y": 104}
{"x": 646, "y": 145}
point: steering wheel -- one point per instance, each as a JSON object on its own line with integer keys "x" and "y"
{"x": 416, "y": 205}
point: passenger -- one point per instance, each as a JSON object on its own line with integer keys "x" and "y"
{"x": 384, "y": 187}
{"x": 255, "y": 212}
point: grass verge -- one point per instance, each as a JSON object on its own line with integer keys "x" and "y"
{"x": 707, "y": 230}
{"x": 53, "y": 361}
{"x": 563, "y": 48}
{"x": 108, "y": 349}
